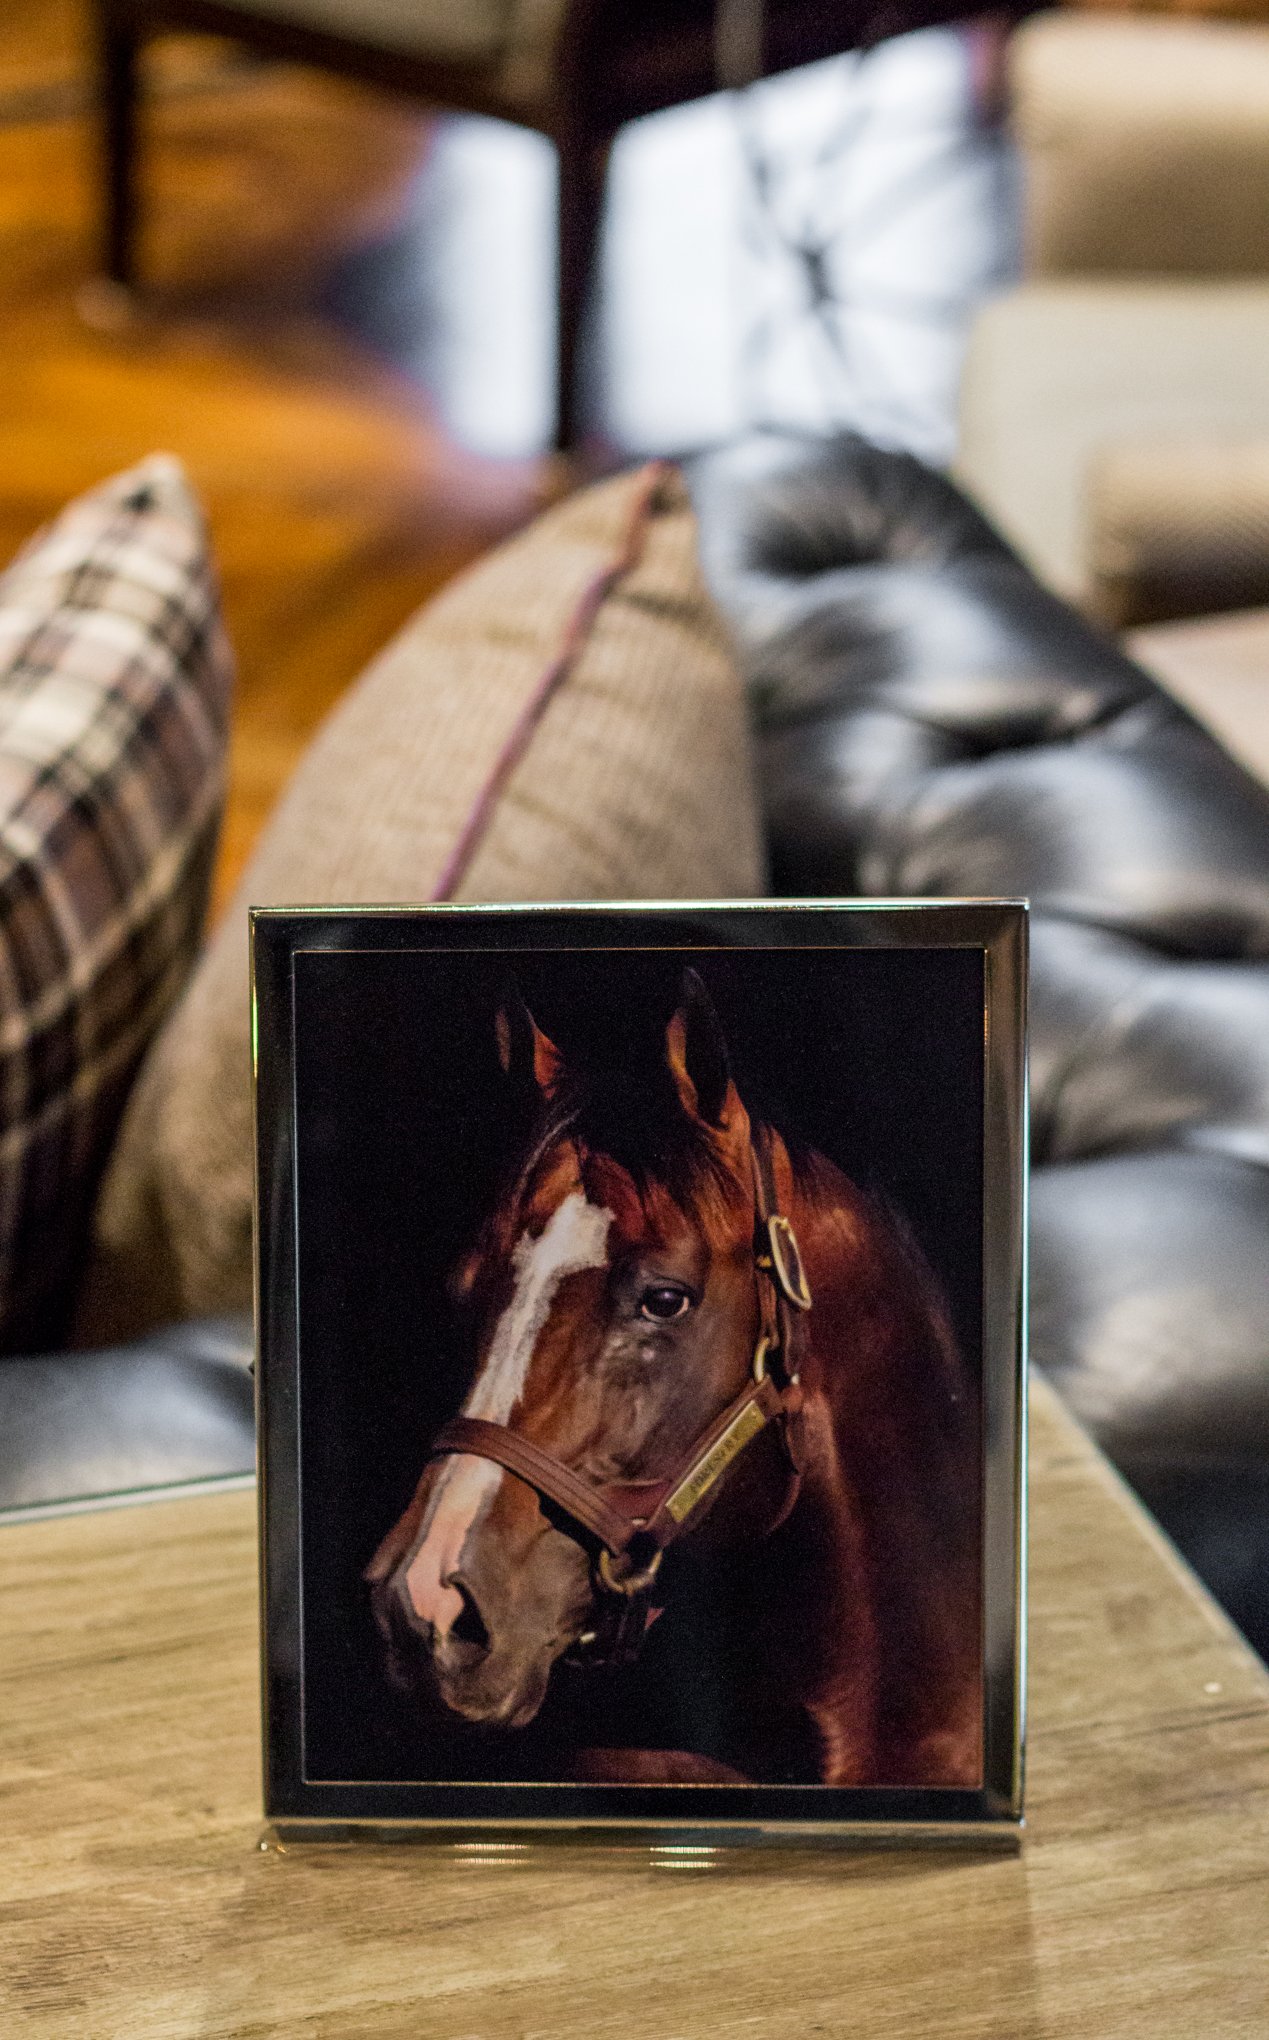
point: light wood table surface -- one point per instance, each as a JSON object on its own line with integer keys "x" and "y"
{"x": 136, "y": 1901}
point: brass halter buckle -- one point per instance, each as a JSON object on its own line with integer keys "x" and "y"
{"x": 628, "y": 1584}
{"x": 783, "y": 1260}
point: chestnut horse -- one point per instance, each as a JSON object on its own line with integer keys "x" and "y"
{"x": 650, "y": 1385}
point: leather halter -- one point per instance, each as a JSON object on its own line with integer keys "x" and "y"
{"x": 632, "y": 1524}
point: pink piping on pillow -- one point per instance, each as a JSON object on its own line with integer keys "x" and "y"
{"x": 575, "y": 636}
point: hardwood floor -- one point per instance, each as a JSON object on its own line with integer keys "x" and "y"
{"x": 336, "y": 503}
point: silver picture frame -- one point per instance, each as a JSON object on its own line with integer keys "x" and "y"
{"x": 356, "y": 1192}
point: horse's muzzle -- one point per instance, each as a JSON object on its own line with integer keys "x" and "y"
{"x": 459, "y": 1671}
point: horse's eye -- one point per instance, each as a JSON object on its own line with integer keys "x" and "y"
{"x": 665, "y": 1300}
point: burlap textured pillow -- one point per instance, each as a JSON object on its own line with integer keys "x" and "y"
{"x": 114, "y": 689}
{"x": 563, "y": 723}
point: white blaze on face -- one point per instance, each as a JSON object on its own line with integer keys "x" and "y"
{"x": 575, "y": 1238}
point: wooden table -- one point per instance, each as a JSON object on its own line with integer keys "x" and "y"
{"x": 136, "y": 1901}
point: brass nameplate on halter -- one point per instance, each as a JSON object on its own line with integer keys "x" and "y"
{"x": 745, "y": 1425}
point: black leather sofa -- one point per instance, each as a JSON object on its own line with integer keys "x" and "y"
{"x": 176, "y": 1406}
{"x": 931, "y": 721}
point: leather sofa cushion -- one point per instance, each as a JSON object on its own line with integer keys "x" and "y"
{"x": 1178, "y": 528}
{"x": 114, "y": 690}
{"x": 1219, "y": 668}
{"x": 1060, "y": 370}
{"x": 635, "y": 783}
{"x": 1146, "y": 144}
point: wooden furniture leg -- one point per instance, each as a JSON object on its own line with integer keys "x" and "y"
{"x": 119, "y": 46}
{"x": 583, "y": 165}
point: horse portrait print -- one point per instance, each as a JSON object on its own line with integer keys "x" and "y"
{"x": 698, "y": 1501}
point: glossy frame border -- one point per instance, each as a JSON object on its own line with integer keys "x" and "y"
{"x": 742, "y": 1814}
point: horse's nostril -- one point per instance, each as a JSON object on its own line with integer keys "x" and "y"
{"x": 468, "y": 1625}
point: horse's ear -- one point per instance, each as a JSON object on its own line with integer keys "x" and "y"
{"x": 523, "y": 1050}
{"x": 697, "y": 1054}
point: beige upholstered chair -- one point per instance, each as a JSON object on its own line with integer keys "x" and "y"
{"x": 576, "y": 70}
{"x": 1115, "y": 408}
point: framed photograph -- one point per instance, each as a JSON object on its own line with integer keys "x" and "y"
{"x": 641, "y": 1366}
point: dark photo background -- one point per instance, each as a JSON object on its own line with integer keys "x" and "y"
{"x": 874, "y": 1056}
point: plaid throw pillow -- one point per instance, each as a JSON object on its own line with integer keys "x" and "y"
{"x": 114, "y": 689}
